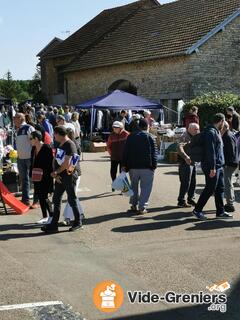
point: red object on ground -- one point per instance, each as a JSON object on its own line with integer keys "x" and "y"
{"x": 11, "y": 201}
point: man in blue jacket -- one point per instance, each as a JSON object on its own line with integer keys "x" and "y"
{"x": 45, "y": 124}
{"x": 212, "y": 166}
{"x": 140, "y": 159}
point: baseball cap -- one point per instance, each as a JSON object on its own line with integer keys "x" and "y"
{"x": 117, "y": 124}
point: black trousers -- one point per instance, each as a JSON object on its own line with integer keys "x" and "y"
{"x": 187, "y": 175}
{"x": 68, "y": 184}
{"x": 214, "y": 186}
{"x": 45, "y": 205}
{"x": 114, "y": 168}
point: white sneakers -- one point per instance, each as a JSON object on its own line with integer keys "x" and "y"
{"x": 43, "y": 221}
{"x": 66, "y": 222}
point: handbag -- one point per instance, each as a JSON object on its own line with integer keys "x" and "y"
{"x": 37, "y": 174}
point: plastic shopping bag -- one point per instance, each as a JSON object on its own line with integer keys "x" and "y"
{"x": 68, "y": 213}
{"x": 122, "y": 183}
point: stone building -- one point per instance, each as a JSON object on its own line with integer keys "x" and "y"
{"x": 163, "y": 52}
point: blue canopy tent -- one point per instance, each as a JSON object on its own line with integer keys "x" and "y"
{"x": 118, "y": 100}
{"x": 90, "y": 103}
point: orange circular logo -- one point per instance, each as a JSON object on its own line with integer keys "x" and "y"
{"x": 108, "y": 296}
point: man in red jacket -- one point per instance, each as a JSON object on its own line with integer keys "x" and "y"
{"x": 116, "y": 143}
{"x": 191, "y": 117}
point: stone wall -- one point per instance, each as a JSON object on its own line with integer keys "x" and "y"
{"x": 49, "y": 75}
{"x": 152, "y": 79}
{"x": 217, "y": 64}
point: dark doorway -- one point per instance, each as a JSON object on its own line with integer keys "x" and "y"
{"x": 123, "y": 85}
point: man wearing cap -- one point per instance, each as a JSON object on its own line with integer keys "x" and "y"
{"x": 116, "y": 143}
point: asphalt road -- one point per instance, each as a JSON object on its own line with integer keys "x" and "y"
{"x": 165, "y": 250}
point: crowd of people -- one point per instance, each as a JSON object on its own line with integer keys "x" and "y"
{"x": 217, "y": 149}
{"x": 48, "y": 142}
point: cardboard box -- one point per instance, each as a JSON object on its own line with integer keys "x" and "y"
{"x": 98, "y": 147}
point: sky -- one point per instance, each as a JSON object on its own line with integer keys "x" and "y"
{"x": 27, "y": 26}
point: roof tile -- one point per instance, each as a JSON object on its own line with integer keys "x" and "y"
{"x": 95, "y": 29}
{"x": 167, "y": 30}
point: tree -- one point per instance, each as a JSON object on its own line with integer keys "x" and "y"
{"x": 22, "y": 90}
{"x": 8, "y": 86}
{"x": 211, "y": 103}
{"x": 35, "y": 88}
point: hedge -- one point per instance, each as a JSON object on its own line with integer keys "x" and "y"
{"x": 212, "y": 103}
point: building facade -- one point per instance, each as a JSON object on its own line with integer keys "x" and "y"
{"x": 163, "y": 52}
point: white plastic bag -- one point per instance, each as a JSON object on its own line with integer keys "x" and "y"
{"x": 122, "y": 184}
{"x": 68, "y": 213}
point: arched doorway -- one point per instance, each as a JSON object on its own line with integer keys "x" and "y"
{"x": 123, "y": 85}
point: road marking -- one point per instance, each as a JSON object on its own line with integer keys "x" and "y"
{"x": 30, "y": 305}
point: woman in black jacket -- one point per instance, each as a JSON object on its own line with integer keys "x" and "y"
{"x": 42, "y": 158}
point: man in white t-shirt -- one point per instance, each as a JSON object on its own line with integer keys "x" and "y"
{"x": 24, "y": 154}
{"x": 67, "y": 114}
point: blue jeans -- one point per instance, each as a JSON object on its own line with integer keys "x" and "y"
{"x": 144, "y": 179}
{"x": 24, "y": 169}
{"x": 213, "y": 186}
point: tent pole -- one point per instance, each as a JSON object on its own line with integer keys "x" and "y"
{"x": 91, "y": 129}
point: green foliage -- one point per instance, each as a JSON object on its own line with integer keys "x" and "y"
{"x": 212, "y": 103}
{"x": 21, "y": 90}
